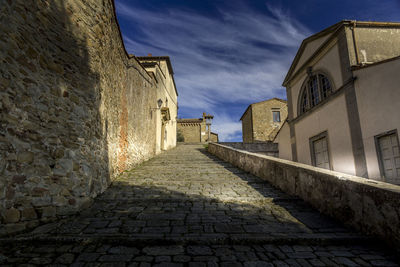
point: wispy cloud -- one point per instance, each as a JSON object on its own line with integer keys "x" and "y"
{"x": 240, "y": 56}
{"x": 227, "y": 128}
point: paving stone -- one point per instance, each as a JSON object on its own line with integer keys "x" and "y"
{"x": 124, "y": 250}
{"x": 383, "y": 263}
{"x": 199, "y": 250}
{"x": 66, "y": 258}
{"x": 316, "y": 262}
{"x": 231, "y": 264}
{"x": 163, "y": 250}
{"x": 168, "y": 264}
{"x": 88, "y": 257}
{"x": 197, "y": 264}
{"x": 345, "y": 261}
{"x": 181, "y": 258}
{"x": 301, "y": 255}
{"x": 115, "y": 258}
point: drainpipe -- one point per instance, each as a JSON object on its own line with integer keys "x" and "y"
{"x": 355, "y": 41}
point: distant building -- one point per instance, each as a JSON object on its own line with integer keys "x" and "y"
{"x": 166, "y": 113}
{"x": 214, "y": 137}
{"x": 196, "y": 130}
{"x": 261, "y": 121}
{"x": 343, "y": 91}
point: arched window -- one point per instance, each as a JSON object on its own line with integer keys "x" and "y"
{"x": 315, "y": 89}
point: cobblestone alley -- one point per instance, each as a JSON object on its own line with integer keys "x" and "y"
{"x": 187, "y": 208}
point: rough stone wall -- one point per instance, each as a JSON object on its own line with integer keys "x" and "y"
{"x": 367, "y": 205}
{"x": 203, "y": 132}
{"x": 264, "y": 128}
{"x": 214, "y": 137}
{"x": 190, "y": 132}
{"x": 74, "y": 110}
{"x": 374, "y": 44}
{"x": 247, "y": 127}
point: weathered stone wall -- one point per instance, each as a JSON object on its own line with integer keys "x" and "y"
{"x": 214, "y": 137}
{"x": 369, "y": 206}
{"x": 247, "y": 127}
{"x": 264, "y": 128}
{"x": 190, "y": 131}
{"x": 74, "y": 110}
{"x": 374, "y": 43}
{"x": 267, "y": 148}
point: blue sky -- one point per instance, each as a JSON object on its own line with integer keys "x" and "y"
{"x": 229, "y": 54}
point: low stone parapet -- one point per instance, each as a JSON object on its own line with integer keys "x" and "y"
{"x": 369, "y": 206}
{"x": 265, "y": 148}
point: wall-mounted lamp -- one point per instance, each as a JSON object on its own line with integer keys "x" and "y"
{"x": 159, "y": 104}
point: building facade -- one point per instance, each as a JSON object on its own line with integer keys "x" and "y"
{"x": 166, "y": 112}
{"x": 261, "y": 121}
{"x": 196, "y": 130}
{"x": 76, "y": 110}
{"x": 343, "y": 92}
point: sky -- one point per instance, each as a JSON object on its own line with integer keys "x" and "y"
{"x": 227, "y": 54}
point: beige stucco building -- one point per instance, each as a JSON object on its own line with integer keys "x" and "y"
{"x": 262, "y": 120}
{"x": 343, "y": 91}
{"x": 166, "y": 108}
{"x": 197, "y": 130}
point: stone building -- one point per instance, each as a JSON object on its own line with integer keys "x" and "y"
{"x": 166, "y": 114}
{"x": 343, "y": 100}
{"x": 214, "y": 137}
{"x": 75, "y": 109}
{"x": 197, "y": 130}
{"x": 261, "y": 121}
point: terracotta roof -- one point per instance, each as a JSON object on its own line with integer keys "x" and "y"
{"x": 189, "y": 120}
{"x": 169, "y": 65}
{"x": 166, "y": 58}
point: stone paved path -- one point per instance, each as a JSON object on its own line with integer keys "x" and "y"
{"x": 187, "y": 208}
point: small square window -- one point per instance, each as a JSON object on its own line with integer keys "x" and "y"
{"x": 276, "y": 115}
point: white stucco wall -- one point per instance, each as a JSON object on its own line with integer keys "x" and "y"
{"x": 331, "y": 117}
{"x": 329, "y": 64}
{"x": 310, "y": 49}
{"x": 167, "y": 92}
{"x": 378, "y": 98}
{"x": 283, "y": 140}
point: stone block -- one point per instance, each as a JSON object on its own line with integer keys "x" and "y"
{"x": 11, "y": 215}
{"x": 28, "y": 214}
{"x": 48, "y": 212}
{"x": 59, "y": 201}
{"x": 25, "y": 157}
{"x": 18, "y": 179}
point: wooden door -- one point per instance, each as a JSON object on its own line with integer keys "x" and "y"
{"x": 389, "y": 158}
{"x": 321, "y": 153}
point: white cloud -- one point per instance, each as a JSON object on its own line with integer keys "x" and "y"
{"x": 227, "y": 128}
{"x": 241, "y": 56}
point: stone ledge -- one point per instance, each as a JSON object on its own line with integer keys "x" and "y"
{"x": 372, "y": 207}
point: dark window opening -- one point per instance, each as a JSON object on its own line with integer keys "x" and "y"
{"x": 316, "y": 89}
{"x": 276, "y": 116}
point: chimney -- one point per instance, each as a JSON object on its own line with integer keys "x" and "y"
{"x": 149, "y": 55}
